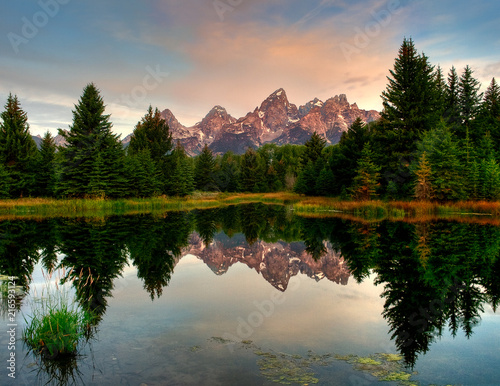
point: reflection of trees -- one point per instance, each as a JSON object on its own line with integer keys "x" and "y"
{"x": 206, "y": 224}
{"x": 154, "y": 246}
{"x": 95, "y": 255}
{"x": 313, "y": 237}
{"x": 19, "y": 250}
{"x": 434, "y": 275}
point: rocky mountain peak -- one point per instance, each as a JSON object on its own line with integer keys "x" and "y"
{"x": 304, "y": 109}
{"x": 277, "y": 112}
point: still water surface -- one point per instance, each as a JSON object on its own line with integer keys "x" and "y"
{"x": 253, "y": 295}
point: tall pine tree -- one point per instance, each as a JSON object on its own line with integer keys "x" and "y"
{"x": 204, "y": 170}
{"x": 93, "y": 160}
{"x": 18, "y": 152}
{"x": 46, "y": 179}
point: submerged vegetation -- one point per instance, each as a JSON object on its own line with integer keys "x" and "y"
{"x": 295, "y": 369}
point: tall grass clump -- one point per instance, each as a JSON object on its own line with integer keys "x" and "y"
{"x": 57, "y": 323}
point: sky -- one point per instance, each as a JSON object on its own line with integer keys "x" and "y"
{"x": 190, "y": 55}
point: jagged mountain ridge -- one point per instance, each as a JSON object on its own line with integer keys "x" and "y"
{"x": 275, "y": 121}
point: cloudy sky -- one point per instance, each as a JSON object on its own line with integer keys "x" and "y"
{"x": 189, "y": 55}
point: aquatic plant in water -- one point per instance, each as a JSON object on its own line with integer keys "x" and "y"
{"x": 57, "y": 323}
{"x": 294, "y": 369}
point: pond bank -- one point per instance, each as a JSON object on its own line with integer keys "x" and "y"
{"x": 303, "y": 205}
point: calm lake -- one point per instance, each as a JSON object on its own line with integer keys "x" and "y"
{"x": 255, "y": 295}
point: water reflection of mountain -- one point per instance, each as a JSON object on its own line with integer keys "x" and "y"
{"x": 277, "y": 261}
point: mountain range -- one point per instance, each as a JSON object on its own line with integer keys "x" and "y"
{"x": 276, "y": 120}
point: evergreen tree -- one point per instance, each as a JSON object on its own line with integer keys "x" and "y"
{"x": 410, "y": 100}
{"x": 18, "y": 151}
{"x": 345, "y": 155}
{"x": 325, "y": 181}
{"x": 366, "y": 181}
{"x": 313, "y": 149}
{"x": 490, "y": 111}
{"x": 469, "y": 96}
{"x": 490, "y": 179}
{"x": 423, "y": 185}
{"x": 227, "y": 173}
{"x": 444, "y": 160}
{"x": 250, "y": 176}
{"x": 142, "y": 175}
{"x": 93, "y": 160}
{"x": 46, "y": 179}
{"x": 181, "y": 180}
{"x": 204, "y": 170}
{"x": 491, "y": 102}
{"x": 452, "y": 103}
{"x": 152, "y": 133}
{"x": 5, "y": 182}
{"x": 307, "y": 179}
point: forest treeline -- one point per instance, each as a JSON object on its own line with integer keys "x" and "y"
{"x": 437, "y": 139}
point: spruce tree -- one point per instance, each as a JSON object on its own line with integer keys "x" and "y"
{"x": 204, "y": 170}
{"x": 152, "y": 133}
{"x": 490, "y": 179}
{"x": 491, "y": 102}
{"x": 46, "y": 179}
{"x": 180, "y": 181}
{"x": 5, "y": 182}
{"x": 410, "y": 100}
{"x": 18, "y": 151}
{"x": 249, "y": 171}
{"x": 469, "y": 96}
{"x": 142, "y": 175}
{"x": 489, "y": 116}
{"x": 366, "y": 181}
{"x": 444, "y": 160}
{"x": 313, "y": 148}
{"x": 452, "y": 103}
{"x": 93, "y": 160}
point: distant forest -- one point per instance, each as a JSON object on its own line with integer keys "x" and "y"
{"x": 437, "y": 139}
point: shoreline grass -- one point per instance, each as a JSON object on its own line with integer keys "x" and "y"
{"x": 39, "y": 208}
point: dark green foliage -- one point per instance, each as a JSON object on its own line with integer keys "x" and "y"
{"x": 180, "y": 181}
{"x": 5, "y": 182}
{"x": 411, "y": 100}
{"x": 444, "y": 160}
{"x": 93, "y": 160}
{"x": 227, "y": 172}
{"x": 312, "y": 163}
{"x": 452, "y": 100}
{"x": 251, "y": 176}
{"x": 366, "y": 181}
{"x": 325, "y": 181}
{"x": 204, "y": 170}
{"x": 469, "y": 96}
{"x": 313, "y": 149}
{"x": 18, "y": 152}
{"x": 142, "y": 175}
{"x": 344, "y": 156}
{"x": 46, "y": 178}
{"x": 153, "y": 134}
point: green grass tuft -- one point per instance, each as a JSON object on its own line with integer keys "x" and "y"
{"x": 57, "y": 324}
